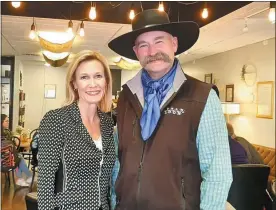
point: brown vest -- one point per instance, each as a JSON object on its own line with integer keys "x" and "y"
{"x": 162, "y": 173}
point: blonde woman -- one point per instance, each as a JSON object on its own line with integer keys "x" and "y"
{"x": 76, "y": 146}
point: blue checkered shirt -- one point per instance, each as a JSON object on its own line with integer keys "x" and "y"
{"x": 214, "y": 157}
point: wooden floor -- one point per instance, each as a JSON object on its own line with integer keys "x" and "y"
{"x": 13, "y": 199}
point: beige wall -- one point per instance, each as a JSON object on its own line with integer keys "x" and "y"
{"x": 36, "y": 75}
{"x": 226, "y": 68}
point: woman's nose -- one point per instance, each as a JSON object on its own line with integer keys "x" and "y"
{"x": 92, "y": 83}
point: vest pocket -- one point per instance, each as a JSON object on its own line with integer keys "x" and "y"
{"x": 183, "y": 194}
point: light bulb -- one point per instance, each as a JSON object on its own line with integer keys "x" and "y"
{"x": 47, "y": 64}
{"x": 32, "y": 32}
{"x": 82, "y": 29}
{"x": 16, "y": 4}
{"x": 161, "y": 7}
{"x": 131, "y": 14}
{"x": 204, "y": 13}
{"x": 70, "y": 30}
{"x": 82, "y": 32}
{"x": 271, "y": 15}
{"x": 92, "y": 13}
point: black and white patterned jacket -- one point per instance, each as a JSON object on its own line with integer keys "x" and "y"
{"x": 63, "y": 137}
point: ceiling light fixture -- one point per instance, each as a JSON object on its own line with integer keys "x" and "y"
{"x": 16, "y": 4}
{"x": 205, "y": 12}
{"x": 131, "y": 13}
{"x": 32, "y": 34}
{"x": 70, "y": 27}
{"x": 161, "y": 6}
{"x": 82, "y": 29}
{"x": 92, "y": 13}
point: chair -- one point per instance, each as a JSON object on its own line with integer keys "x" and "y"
{"x": 29, "y": 154}
{"x": 7, "y": 170}
{"x": 34, "y": 161}
{"x": 248, "y": 189}
{"x": 16, "y": 142}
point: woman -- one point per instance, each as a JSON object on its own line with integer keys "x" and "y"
{"x": 22, "y": 167}
{"x": 76, "y": 146}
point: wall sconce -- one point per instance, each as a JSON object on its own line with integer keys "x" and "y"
{"x": 230, "y": 109}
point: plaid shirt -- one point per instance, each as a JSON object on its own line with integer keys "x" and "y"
{"x": 214, "y": 157}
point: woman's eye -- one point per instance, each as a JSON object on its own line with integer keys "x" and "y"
{"x": 99, "y": 76}
{"x": 84, "y": 77}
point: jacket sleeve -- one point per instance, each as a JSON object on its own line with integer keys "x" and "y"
{"x": 49, "y": 156}
{"x": 214, "y": 156}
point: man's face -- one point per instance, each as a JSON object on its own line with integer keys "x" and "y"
{"x": 155, "y": 50}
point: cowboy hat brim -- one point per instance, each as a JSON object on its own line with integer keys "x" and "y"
{"x": 187, "y": 33}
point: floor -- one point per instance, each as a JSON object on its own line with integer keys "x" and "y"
{"x": 13, "y": 199}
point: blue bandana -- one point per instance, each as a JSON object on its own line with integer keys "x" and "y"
{"x": 154, "y": 93}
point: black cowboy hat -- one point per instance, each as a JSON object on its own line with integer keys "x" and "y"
{"x": 187, "y": 32}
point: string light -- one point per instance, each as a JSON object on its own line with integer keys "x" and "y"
{"x": 161, "y": 7}
{"x": 70, "y": 27}
{"x": 131, "y": 14}
{"x": 16, "y": 4}
{"x": 92, "y": 13}
{"x": 82, "y": 29}
{"x": 32, "y": 34}
{"x": 204, "y": 13}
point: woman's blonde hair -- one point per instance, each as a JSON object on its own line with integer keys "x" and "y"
{"x": 83, "y": 56}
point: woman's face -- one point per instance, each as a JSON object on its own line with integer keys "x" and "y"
{"x": 90, "y": 82}
{"x": 5, "y": 123}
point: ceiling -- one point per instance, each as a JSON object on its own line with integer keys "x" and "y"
{"x": 221, "y": 35}
{"x": 117, "y": 12}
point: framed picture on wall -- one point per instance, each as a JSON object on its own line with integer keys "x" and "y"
{"x": 208, "y": 78}
{"x": 50, "y": 91}
{"x": 265, "y": 99}
{"x": 229, "y": 97}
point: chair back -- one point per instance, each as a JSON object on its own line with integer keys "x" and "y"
{"x": 17, "y": 142}
{"x": 249, "y": 185}
{"x": 33, "y": 132}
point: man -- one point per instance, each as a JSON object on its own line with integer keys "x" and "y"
{"x": 251, "y": 153}
{"x": 173, "y": 146}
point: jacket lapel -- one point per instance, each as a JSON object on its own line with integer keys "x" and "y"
{"x": 106, "y": 130}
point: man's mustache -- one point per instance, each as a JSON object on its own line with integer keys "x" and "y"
{"x": 157, "y": 56}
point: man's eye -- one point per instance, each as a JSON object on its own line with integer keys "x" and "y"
{"x": 143, "y": 45}
{"x": 158, "y": 42}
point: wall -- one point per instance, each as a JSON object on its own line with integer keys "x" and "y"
{"x": 36, "y": 75}
{"x": 226, "y": 69}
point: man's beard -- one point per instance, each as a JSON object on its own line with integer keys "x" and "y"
{"x": 158, "y": 56}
